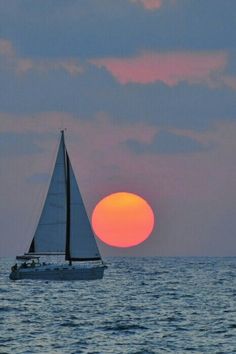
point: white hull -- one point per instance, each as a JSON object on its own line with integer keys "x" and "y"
{"x": 59, "y": 272}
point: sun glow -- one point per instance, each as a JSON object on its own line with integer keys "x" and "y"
{"x": 123, "y": 219}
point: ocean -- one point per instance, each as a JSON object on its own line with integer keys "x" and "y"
{"x": 142, "y": 306}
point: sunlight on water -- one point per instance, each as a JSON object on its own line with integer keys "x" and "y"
{"x": 143, "y": 305}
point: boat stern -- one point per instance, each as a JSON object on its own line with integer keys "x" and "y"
{"x": 14, "y": 275}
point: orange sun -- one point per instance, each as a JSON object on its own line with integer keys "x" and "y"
{"x": 123, "y": 219}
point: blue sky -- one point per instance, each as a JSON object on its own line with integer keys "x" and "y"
{"x": 147, "y": 92}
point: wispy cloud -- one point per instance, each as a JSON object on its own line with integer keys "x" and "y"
{"x": 170, "y": 68}
{"x": 13, "y": 144}
{"x": 71, "y": 66}
{"x": 6, "y": 48}
{"x": 22, "y": 65}
{"x": 166, "y": 142}
{"x": 229, "y": 81}
{"x": 102, "y": 127}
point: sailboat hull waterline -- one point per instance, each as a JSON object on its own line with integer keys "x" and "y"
{"x": 59, "y": 272}
{"x": 63, "y": 229}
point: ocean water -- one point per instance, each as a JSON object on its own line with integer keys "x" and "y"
{"x": 142, "y": 305}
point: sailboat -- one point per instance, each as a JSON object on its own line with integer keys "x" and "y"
{"x": 63, "y": 229}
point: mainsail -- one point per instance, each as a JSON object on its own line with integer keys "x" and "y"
{"x": 50, "y": 232}
{"x": 64, "y": 226}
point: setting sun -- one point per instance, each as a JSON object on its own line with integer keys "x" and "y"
{"x": 123, "y": 219}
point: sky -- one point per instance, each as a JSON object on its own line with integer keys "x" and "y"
{"x": 147, "y": 92}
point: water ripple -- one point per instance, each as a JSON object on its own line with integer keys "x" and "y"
{"x": 143, "y": 305}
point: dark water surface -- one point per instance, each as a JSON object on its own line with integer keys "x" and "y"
{"x": 143, "y": 305}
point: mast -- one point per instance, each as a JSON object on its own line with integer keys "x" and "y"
{"x": 68, "y": 257}
{"x": 67, "y": 188}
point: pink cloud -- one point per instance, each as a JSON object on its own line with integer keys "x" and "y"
{"x": 170, "y": 68}
{"x": 153, "y": 4}
{"x": 149, "y": 4}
